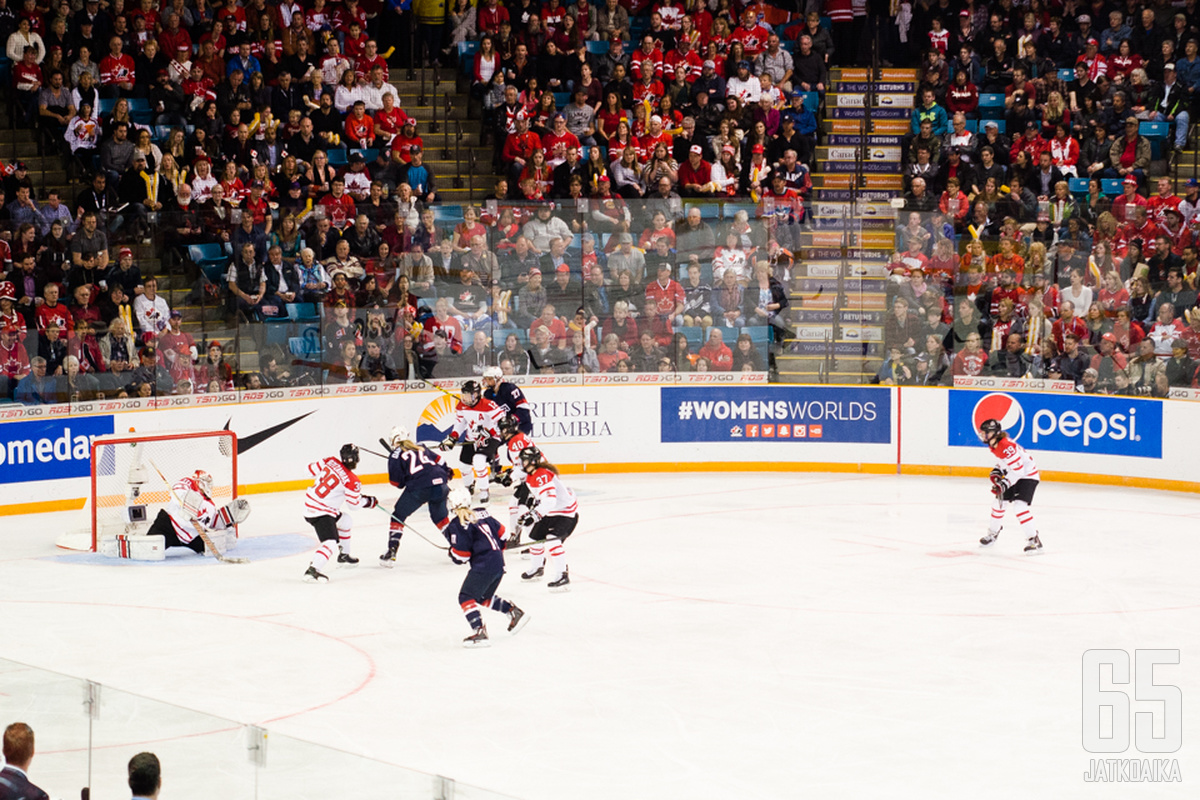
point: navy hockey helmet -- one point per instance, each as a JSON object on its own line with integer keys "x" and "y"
{"x": 349, "y": 456}
{"x": 509, "y": 425}
{"x": 470, "y": 393}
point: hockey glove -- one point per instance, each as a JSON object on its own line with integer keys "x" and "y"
{"x": 446, "y": 444}
{"x": 368, "y": 501}
{"x": 996, "y": 475}
{"x": 999, "y": 487}
{"x": 504, "y": 477}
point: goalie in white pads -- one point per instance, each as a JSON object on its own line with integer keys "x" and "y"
{"x": 191, "y": 503}
{"x": 552, "y": 515}
{"x": 475, "y": 421}
{"x": 1014, "y": 480}
{"x": 476, "y": 538}
{"x": 334, "y": 485}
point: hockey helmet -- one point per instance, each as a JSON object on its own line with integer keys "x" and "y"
{"x": 398, "y": 434}
{"x": 531, "y": 457}
{"x": 991, "y": 431}
{"x": 205, "y": 481}
{"x": 492, "y": 376}
{"x": 349, "y": 456}
{"x": 509, "y": 425}
{"x": 458, "y": 498}
{"x": 471, "y": 393}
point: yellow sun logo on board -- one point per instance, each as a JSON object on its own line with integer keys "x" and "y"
{"x": 437, "y": 418}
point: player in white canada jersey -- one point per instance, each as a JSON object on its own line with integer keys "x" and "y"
{"x": 1014, "y": 480}
{"x": 191, "y": 503}
{"x": 553, "y": 514}
{"x": 475, "y": 423}
{"x": 334, "y": 485}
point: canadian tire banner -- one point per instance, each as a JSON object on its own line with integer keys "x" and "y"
{"x": 720, "y": 414}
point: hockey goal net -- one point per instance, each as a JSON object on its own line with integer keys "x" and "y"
{"x": 126, "y": 491}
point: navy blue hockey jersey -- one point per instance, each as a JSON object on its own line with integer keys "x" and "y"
{"x": 512, "y": 400}
{"x": 478, "y": 542}
{"x": 419, "y": 469}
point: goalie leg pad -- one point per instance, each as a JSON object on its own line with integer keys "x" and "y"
{"x": 133, "y": 547}
{"x": 224, "y": 541}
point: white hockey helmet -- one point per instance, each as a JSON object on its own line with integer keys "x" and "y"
{"x": 398, "y": 434}
{"x": 205, "y": 481}
{"x": 492, "y": 374}
{"x": 458, "y": 498}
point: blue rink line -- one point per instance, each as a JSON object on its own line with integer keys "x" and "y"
{"x": 255, "y": 548}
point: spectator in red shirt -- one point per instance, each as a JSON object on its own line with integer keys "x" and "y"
{"x": 695, "y": 174}
{"x": 720, "y": 357}
{"x": 116, "y": 70}
{"x": 664, "y": 299}
{"x": 360, "y": 126}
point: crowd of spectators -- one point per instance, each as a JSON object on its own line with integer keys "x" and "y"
{"x": 272, "y": 129}
{"x": 1044, "y": 237}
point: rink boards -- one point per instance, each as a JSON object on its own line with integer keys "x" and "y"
{"x": 634, "y": 423}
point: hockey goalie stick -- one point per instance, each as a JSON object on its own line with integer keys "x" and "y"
{"x": 212, "y": 548}
{"x": 443, "y": 548}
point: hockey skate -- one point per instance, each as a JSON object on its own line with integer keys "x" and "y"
{"x": 563, "y": 584}
{"x": 533, "y": 575}
{"x": 388, "y": 559}
{"x": 989, "y": 539}
{"x": 516, "y": 620}
{"x": 312, "y": 576}
{"x": 1033, "y": 546}
{"x": 346, "y": 560}
{"x": 477, "y": 639}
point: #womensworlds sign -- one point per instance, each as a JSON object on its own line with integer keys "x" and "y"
{"x": 720, "y": 414}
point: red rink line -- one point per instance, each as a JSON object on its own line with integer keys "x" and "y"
{"x": 370, "y": 676}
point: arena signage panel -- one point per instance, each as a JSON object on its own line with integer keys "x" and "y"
{"x": 48, "y": 449}
{"x": 716, "y": 414}
{"x": 1069, "y": 423}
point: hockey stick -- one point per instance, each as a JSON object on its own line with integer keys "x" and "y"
{"x": 443, "y": 548}
{"x": 212, "y": 548}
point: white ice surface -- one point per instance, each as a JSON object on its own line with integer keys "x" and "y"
{"x": 726, "y": 636}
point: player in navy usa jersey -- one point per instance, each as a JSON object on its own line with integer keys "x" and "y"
{"x": 476, "y": 538}
{"x": 425, "y": 478}
{"x": 508, "y": 396}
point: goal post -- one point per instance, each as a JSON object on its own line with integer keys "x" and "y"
{"x": 126, "y": 492}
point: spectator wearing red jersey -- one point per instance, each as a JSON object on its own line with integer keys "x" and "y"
{"x": 1068, "y": 323}
{"x": 647, "y": 52}
{"x": 971, "y": 359}
{"x": 753, "y": 35}
{"x": 720, "y": 357}
{"x": 556, "y": 142}
{"x": 664, "y": 301}
{"x": 116, "y": 70}
{"x": 360, "y": 126}
{"x": 339, "y": 206}
{"x": 1122, "y": 206}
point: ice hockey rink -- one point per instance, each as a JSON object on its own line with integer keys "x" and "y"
{"x": 730, "y": 635}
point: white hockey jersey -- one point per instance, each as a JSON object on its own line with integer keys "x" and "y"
{"x": 477, "y": 423}
{"x": 1016, "y": 464}
{"x": 333, "y": 486}
{"x": 515, "y": 446}
{"x": 553, "y": 497}
{"x": 188, "y": 502}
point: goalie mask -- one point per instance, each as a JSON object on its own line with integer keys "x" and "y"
{"x": 397, "y": 435}
{"x": 349, "y": 456}
{"x": 990, "y": 432}
{"x": 204, "y": 481}
{"x": 470, "y": 393}
{"x": 531, "y": 458}
{"x": 508, "y": 425}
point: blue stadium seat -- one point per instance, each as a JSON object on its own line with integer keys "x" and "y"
{"x": 448, "y": 213}
{"x": 1111, "y": 186}
{"x": 303, "y": 312}
{"x": 1066, "y": 74}
{"x": 1078, "y": 185}
{"x": 708, "y": 210}
{"x": 695, "y": 336}
{"x": 561, "y": 99}
{"x": 812, "y": 101}
{"x": 597, "y": 48}
{"x": 973, "y": 125}
{"x": 337, "y": 157}
{"x": 369, "y": 155}
{"x": 991, "y": 106}
{"x": 1157, "y": 133}
{"x": 729, "y": 210}
{"x": 759, "y": 334}
{"x": 466, "y": 56}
